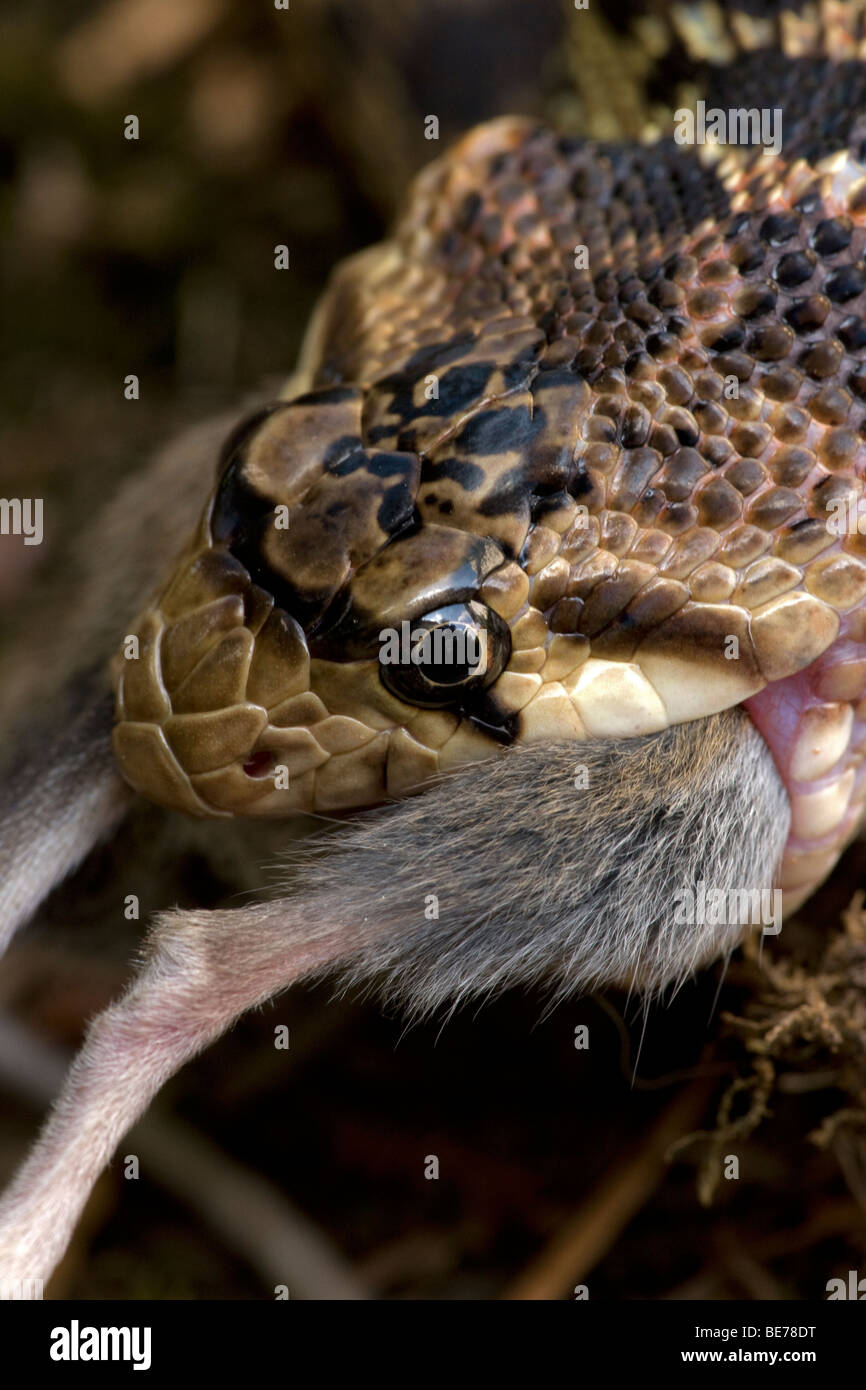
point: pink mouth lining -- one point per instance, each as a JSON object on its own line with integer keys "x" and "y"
{"x": 814, "y": 724}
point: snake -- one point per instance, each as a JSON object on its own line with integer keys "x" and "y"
{"x": 595, "y": 408}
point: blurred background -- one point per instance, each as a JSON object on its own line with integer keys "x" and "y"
{"x": 307, "y": 1166}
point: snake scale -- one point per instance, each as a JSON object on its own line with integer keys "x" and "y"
{"x": 599, "y": 402}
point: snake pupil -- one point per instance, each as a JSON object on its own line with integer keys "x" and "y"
{"x": 445, "y": 655}
{"x": 445, "y": 638}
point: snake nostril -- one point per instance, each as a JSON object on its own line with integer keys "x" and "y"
{"x": 261, "y": 764}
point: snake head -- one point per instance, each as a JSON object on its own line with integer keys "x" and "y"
{"x": 615, "y": 468}
{"x": 316, "y": 648}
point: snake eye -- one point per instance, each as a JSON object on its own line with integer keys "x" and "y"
{"x": 438, "y": 659}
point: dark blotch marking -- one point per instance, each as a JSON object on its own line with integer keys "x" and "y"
{"x": 433, "y": 356}
{"x": 492, "y": 720}
{"x": 808, "y": 314}
{"x": 396, "y": 510}
{"x": 852, "y": 333}
{"x": 497, "y": 431}
{"x": 461, "y": 387}
{"x": 468, "y": 211}
{"x": 794, "y": 268}
{"x": 237, "y": 510}
{"x": 457, "y": 470}
{"x": 339, "y": 452}
{"x": 779, "y": 227}
{"x": 385, "y": 465}
{"x": 832, "y": 235}
{"x": 846, "y": 283}
{"x": 726, "y": 336}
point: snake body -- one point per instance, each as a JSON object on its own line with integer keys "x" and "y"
{"x": 601, "y": 403}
